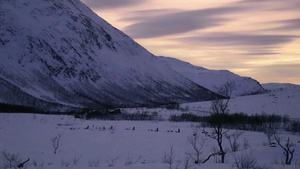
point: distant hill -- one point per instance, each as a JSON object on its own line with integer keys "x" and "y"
{"x": 214, "y": 79}
{"x": 279, "y": 99}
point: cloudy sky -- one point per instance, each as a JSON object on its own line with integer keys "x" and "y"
{"x": 255, "y": 38}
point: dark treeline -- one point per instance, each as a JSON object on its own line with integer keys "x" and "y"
{"x": 117, "y": 114}
{"x": 51, "y": 109}
{"x": 15, "y": 108}
{"x": 241, "y": 121}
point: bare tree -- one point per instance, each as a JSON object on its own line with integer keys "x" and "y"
{"x": 232, "y": 138}
{"x": 187, "y": 163}
{"x": 288, "y": 152}
{"x": 219, "y": 108}
{"x": 270, "y": 129}
{"x": 217, "y": 134}
{"x": 197, "y": 143}
{"x": 55, "y": 142}
{"x": 170, "y": 159}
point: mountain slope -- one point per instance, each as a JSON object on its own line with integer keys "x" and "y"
{"x": 214, "y": 79}
{"x": 273, "y": 87}
{"x": 280, "y": 99}
{"x": 61, "y": 52}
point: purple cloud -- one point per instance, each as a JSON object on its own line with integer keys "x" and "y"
{"x": 275, "y": 5}
{"x": 281, "y": 70}
{"x": 178, "y": 22}
{"x": 105, "y": 4}
{"x": 261, "y": 53}
{"x": 239, "y": 39}
{"x": 252, "y": 44}
{"x": 150, "y": 25}
{"x": 143, "y": 15}
{"x": 288, "y": 25}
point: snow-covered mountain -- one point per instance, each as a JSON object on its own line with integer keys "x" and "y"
{"x": 279, "y": 99}
{"x": 273, "y": 87}
{"x": 214, "y": 79}
{"x": 60, "y": 52}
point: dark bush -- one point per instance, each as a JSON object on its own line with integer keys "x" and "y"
{"x": 117, "y": 114}
{"x": 240, "y": 121}
{"x": 293, "y": 126}
{"x": 188, "y": 117}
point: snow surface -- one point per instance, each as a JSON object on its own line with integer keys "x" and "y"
{"x": 29, "y": 136}
{"x": 279, "y": 86}
{"x": 280, "y": 100}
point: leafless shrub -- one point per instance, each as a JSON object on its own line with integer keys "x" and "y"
{"x": 9, "y": 160}
{"x": 94, "y": 163}
{"x": 64, "y": 163}
{"x": 233, "y": 138}
{"x": 75, "y": 160}
{"x": 187, "y": 163}
{"x": 269, "y": 131}
{"x": 112, "y": 161}
{"x": 130, "y": 161}
{"x": 38, "y": 165}
{"x": 197, "y": 142}
{"x": 246, "y": 144}
{"x": 70, "y": 163}
{"x": 287, "y": 149}
{"x": 245, "y": 161}
{"x": 169, "y": 158}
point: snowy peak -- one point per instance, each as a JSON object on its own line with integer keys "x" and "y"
{"x": 214, "y": 79}
{"x": 279, "y": 86}
{"x": 60, "y": 52}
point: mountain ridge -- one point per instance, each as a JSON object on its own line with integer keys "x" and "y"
{"x": 214, "y": 79}
{"x": 61, "y": 52}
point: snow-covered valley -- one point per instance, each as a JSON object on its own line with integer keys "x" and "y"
{"x": 29, "y": 136}
{"x": 146, "y": 144}
{"x": 59, "y": 56}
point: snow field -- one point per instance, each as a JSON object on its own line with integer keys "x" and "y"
{"x": 29, "y": 135}
{"x": 283, "y": 102}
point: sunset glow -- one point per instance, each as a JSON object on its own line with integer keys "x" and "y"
{"x": 255, "y": 38}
